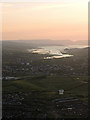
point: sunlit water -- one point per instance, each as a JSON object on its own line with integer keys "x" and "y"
{"x": 55, "y": 51}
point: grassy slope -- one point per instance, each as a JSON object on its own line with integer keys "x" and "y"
{"x": 51, "y": 85}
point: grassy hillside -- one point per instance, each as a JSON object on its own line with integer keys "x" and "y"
{"x": 73, "y": 86}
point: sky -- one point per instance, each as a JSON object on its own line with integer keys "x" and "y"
{"x": 63, "y": 20}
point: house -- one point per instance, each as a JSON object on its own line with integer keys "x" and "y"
{"x": 22, "y": 63}
{"x": 27, "y": 64}
{"x": 61, "y": 92}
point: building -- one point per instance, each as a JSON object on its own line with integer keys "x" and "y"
{"x": 61, "y": 92}
{"x": 27, "y": 64}
{"x": 22, "y": 63}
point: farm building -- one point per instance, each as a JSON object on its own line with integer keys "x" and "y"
{"x": 61, "y": 92}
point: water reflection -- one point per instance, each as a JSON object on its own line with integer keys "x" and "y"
{"x": 54, "y": 51}
{"x": 62, "y": 56}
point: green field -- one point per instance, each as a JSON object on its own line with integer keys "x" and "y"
{"x": 73, "y": 85}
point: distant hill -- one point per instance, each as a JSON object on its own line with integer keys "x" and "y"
{"x": 79, "y": 51}
{"x": 49, "y": 42}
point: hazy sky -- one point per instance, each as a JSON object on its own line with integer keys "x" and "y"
{"x": 64, "y": 20}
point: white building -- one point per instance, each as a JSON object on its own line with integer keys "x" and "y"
{"x": 27, "y": 64}
{"x": 61, "y": 92}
